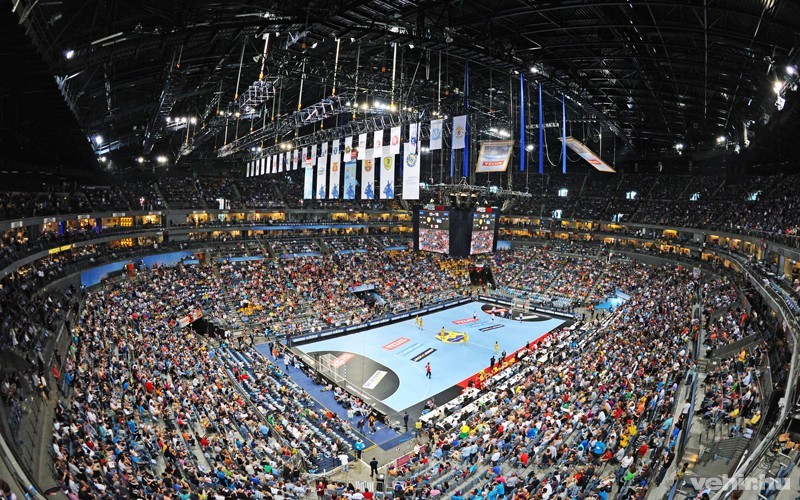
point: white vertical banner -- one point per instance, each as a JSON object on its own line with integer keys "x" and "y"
{"x": 257, "y": 167}
{"x": 362, "y": 146}
{"x": 248, "y": 168}
{"x": 387, "y": 175}
{"x": 267, "y": 165}
{"x": 335, "y": 147}
{"x": 322, "y": 172}
{"x": 295, "y": 159}
{"x": 368, "y": 176}
{"x": 324, "y": 149}
{"x": 274, "y": 164}
{"x": 281, "y": 161}
{"x": 348, "y": 149}
{"x": 304, "y": 156}
{"x": 334, "y": 190}
{"x": 308, "y": 181}
{"x": 413, "y": 136}
{"x": 410, "y": 172}
{"x": 436, "y": 135}
{"x": 314, "y": 154}
{"x": 459, "y": 131}
{"x": 377, "y": 143}
{"x": 394, "y": 142}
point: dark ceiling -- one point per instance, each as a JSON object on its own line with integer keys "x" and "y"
{"x": 649, "y": 74}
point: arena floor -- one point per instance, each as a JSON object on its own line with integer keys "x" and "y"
{"x": 386, "y": 365}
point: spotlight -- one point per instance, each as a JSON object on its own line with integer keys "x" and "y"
{"x": 679, "y": 146}
{"x": 534, "y": 70}
{"x": 410, "y": 45}
{"x": 98, "y": 139}
{"x": 193, "y": 120}
{"x": 140, "y": 160}
{"x": 314, "y": 46}
{"x": 529, "y": 148}
{"x": 790, "y": 70}
{"x": 161, "y": 159}
{"x": 721, "y": 139}
{"x": 103, "y": 159}
{"x": 69, "y": 54}
{"x": 778, "y": 86}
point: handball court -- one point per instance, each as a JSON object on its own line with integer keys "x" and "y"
{"x": 386, "y": 365}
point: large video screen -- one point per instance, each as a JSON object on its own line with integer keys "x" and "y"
{"x": 483, "y": 226}
{"x": 434, "y": 231}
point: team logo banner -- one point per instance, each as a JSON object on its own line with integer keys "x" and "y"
{"x": 322, "y": 186}
{"x": 314, "y": 154}
{"x": 336, "y": 174}
{"x": 274, "y": 164}
{"x": 335, "y": 148}
{"x": 350, "y": 180}
{"x": 308, "y": 182}
{"x": 436, "y": 134}
{"x": 368, "y": 176}
{"x": 268, "y": 168}
{"x": 281, "y": 160}
{"x": 387, "y": 176}
{"x": 459, "y": 131}
{"x": 413, "y": 135}
{"x": 295, "y": 159}
{"x": 348, "y": 149}
{"x": 362, "y": 146}
{"x": 324, "y": 149}
{"x": 305, "y": 157}
{"x": 394, "y": 143}
{"x": 377, "y": 143}
{"x": 410, "y": 172}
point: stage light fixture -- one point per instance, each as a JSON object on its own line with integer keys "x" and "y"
{"x": 69, "y": 54}
{"x": 98, "y": 139}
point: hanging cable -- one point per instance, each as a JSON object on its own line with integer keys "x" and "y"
{"x": 355, "y": 93}
{"x": 336, "y": 66}
{"x": 394, "y": 65}
{"x": 264, "y": 57}
{"x": 302, "y": 81}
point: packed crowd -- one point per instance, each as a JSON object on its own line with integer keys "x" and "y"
{"x": 572, "y": 426}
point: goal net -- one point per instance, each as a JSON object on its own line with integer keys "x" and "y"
{"x": 332, "y": 368}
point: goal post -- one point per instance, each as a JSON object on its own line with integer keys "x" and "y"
{"x": 329, "y": 367}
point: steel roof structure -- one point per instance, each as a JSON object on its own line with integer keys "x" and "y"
{"x": 190, "y": 78}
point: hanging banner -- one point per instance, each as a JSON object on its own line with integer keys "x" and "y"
{"x": 313, "y": 154}
{"x": 324, "y": 149}
{"x": 362, "y": 146}
{"x": 494, "y": 156}
{"x": 304, "y": 156}
{"x": 281, "y": 162}
{"x": 335, "y": 148}
{"x": 308, "y": 182}
{"x": 436, "y": 135}
{"x": 348, "y": 149}
{"x": 413, "y": 137}
{"x": 395, "y": 141}
{"x": 588, "y": 155}
{"x": 336, "y": 174}
{"x": 350, "y": 180}
{"x": 368, "y": 176}
{"x": 268, "y": 165}
{"x": 410, "y": 172}
{"x": 387, "y": 176}
{"x": 322, "y": 170}
{"x": 274, "y": 164}
{"x": 295, "y": 159}
{"x": 248, "y": 168}
{"x": 459, "y": 131}
{"x": 377, "y": 143}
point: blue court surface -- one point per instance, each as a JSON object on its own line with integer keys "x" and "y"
{"x": 386, "y": 365}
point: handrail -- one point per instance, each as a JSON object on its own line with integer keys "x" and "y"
{"x": 747, "y": 464}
